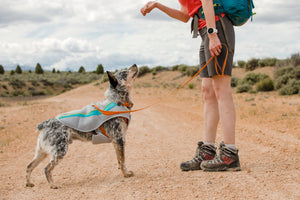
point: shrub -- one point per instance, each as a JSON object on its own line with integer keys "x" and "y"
{"x": 175, "y": 68}
{"x": 265, "y": 85}
{"x": 191, "y": 86}
{"x": 39, "y": 69}
{"x": 53, "y": 70}
{"x": 295, "y": 59}
{"x": 12, "y": 72}
{"x": 297, "y": 73}
{"x": 160, "y": 68}
{"x": 100, "y": 69}
{"x": 241, "y": 63}
{"x": 252, "y": 64}
{"x": 282, "y": 80}
{"x": 234, "y": 81}
{"x": 2, "y": 71}
{"x": 243, "y": 88}
{"x": 182, "y": 68}
{"x": 191, "y": 71}
{"x": 143, "y": 70}
{"x": 292, "y": 87}
{"x": 16, "y": 83}
{"x": 252, "y": 78}
{"x": 81, "y": 70}
{"x": 284, "y": 71}
{"x": 18, "y": 70}
{"x": 267, "y": 62}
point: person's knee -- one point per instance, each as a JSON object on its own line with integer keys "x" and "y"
{"x": 208, "y": 92}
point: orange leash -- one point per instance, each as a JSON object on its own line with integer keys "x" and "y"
{"x": 172, "y": 93}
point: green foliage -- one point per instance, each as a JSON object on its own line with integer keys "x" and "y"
{"x": 18, "y": 70}
{"x": 154, "y": 72}
{"x": 191, "y": 86}
{"x": 175, "y": 68}
{"x": 241, "y": 63}
{"x": 2, "y": 71}
{"x": 182, "y": 68}
{"x": 265, "y": 85}
{"x": 53, "y": 70}
{"x": 16, "y": 83}
{"x": 191, "y": 71}
{"x": 287, "y": 80}
{"x": 252, "y": 78}
{"x": 160, "y": 68}
{"x": 234, "y": 81}
{"x": 292, "y": 87}
{"x": 143, "y": 70}
{"x": 39, "y": 69}
{"x": 295, "y": 60}
{"x": 284, "y": 71}
{"x": 297, "y": 72}
{"x": 267, "y": 62}
{"x": 12, "y": 72}
{"x": 81, "y": 70}
{"x": 245, "y": 87}
{"x": 252, "y": 64}
{"x": 100, "y": 69}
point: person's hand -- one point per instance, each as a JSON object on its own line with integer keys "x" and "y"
{"x": 215, "y": 46}
{"x": 148, "y": 7}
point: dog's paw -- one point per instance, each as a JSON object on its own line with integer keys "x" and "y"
{"x": 29, "y": 185}
{"x": 128, "y": 174}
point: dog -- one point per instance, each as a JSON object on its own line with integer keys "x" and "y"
{"x": 55, "y": 136}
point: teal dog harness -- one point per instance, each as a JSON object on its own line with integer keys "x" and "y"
{"x": 90, "y": 119}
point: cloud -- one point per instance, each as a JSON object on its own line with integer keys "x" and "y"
{"x": 72, "y": 33}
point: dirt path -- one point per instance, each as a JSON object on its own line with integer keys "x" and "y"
{"x": 158, "y": 140}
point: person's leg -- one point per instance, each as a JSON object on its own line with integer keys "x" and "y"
{"x": 211, "y": 111}
{"x": 227, "y": 159}
{"x": 222, "y": 88}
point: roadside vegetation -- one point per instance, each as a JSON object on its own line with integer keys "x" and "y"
{"x": 286, "y": 75}
{"x": 18, "y": 82}
{"x": 27, "y": 83}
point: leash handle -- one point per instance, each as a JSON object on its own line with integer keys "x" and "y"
{"x": 104, "y": 112}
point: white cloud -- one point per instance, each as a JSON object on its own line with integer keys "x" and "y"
{"x": 70, "y": 33}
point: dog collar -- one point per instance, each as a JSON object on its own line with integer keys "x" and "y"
{"x": 127, "y": 104}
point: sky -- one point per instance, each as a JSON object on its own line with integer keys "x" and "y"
{"x": 67, "y": 34}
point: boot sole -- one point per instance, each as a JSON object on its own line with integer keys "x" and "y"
{"x": 232, "y": 169}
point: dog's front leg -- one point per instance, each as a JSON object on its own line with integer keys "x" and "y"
{"x": 120, "y": 151}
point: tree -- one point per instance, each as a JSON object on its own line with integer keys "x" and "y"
{"x": 81, "y": 70}
{"x": 2, "y": 69}
{"x": 53, "y": 70}
{"x": 18, "y": 70}
{"x": 100, "y": 69}
{"x": 39, "y": 69}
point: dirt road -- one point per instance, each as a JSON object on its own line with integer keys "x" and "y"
{"x": 158, "y": 140}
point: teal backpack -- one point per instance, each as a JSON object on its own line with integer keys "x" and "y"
{"x": 238, "y": 11}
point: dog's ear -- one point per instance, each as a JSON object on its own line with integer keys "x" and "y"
{"x": 112, "y": 79}
{"x": 133, "y": 72}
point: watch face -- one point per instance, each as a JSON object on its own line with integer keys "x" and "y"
{"x": 210, "y": 30}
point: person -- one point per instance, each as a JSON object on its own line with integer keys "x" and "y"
{"x": 216, "y": 84}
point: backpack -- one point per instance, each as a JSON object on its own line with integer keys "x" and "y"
{"x": 238, "y": 11}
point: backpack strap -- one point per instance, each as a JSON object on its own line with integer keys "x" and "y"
{"x": 195, "y": 22}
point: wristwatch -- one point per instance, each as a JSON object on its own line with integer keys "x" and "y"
{"x": 212, "y": 30}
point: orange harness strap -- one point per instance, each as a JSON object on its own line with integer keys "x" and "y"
{"x": 172, "y": 93}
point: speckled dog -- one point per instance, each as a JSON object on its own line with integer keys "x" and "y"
{"x": 55, "y": 137}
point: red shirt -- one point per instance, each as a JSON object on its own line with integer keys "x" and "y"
{"x": 192, "y": 7}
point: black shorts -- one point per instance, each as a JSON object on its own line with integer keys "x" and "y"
{"x": 205, "y": 55}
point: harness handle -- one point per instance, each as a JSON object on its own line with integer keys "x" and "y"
{"x": 104, "y": 112}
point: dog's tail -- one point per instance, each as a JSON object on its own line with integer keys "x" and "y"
{"x": 41, "y": 126}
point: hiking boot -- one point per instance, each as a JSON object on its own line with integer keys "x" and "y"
{"x": 227, "y": 160}
{"x": 203, "y": 152}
